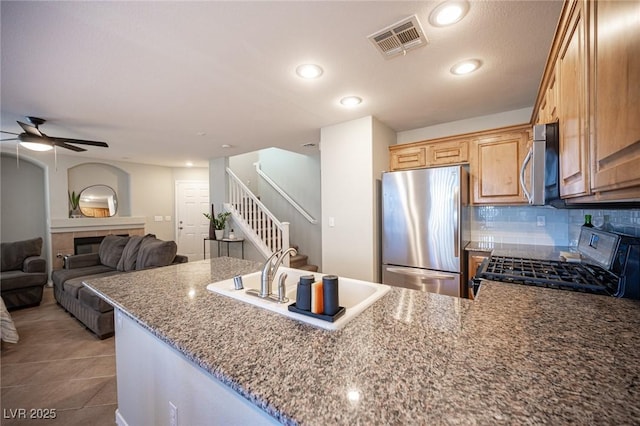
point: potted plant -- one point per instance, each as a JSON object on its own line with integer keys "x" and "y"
{"x": 219, "y": 222}
{"x": 74, "y": 202}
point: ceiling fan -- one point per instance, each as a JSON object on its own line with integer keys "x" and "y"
{"x": 32, "y": 138}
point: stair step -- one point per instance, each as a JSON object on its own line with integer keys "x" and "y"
{"x": 298, "y": 260}
{"x": 310, "y": 268}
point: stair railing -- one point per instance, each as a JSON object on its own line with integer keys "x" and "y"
{"x": 284, "y": 194}
{"x": 256, "y": 221}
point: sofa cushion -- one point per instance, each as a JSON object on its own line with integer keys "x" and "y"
{"x": 61, "y": 275}
{"x": 74, "y": 285}
{"x": 92, "y": 300}
{"x": 13, "y": 280}
{"x": 111, "y": 249}
{"x": 154, "y": 253}
{"x": 130, "y": 253}
{"x": 13, "y": 254}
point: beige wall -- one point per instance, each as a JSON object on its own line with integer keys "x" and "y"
{"x": 475, "y": 124}
{"x": 352, "y": 156}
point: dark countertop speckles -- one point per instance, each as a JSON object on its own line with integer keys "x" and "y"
{"x": 516, "y": 355}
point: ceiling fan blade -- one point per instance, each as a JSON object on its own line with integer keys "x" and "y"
{"x": 79, "y": 141}
{"x": 11, "y": 139}
{"x": 65, "y": 145}
{"x": 9, "y": 133}
{"x": 32, "y": 130}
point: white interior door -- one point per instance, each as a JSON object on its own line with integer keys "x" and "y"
{"x": 192, "y": 200}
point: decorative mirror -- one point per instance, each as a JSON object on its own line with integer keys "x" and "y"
{"x": 98, "y": 201}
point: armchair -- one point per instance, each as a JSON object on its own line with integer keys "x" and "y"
{"x": 23, "y": 273}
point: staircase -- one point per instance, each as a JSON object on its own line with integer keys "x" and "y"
{"x": 299, "y": 261}
{"x": 259, "y": 225}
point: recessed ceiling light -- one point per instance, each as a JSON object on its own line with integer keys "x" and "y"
{"x": 309, "y": 71}
{"x": 465, "y": 67}
{"x": 448, "y": 13}
{"x": 189, "y": 164}
{"x": 201, "y": 134}
{"x": 226, "y": 145}
{"x": 351, "y": 101}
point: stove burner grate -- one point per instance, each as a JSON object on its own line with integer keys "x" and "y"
{"x": 550, "y": 273}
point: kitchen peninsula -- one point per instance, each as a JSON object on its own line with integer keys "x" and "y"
{"x": 515, "y": 355}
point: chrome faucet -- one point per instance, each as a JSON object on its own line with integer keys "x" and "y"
{"x": 269, "y": 270}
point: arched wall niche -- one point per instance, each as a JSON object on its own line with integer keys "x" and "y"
{"x": 87, "y": 174}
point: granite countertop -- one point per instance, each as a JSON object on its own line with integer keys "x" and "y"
{"x": 515, "y": 355}
{"x": 529, "y": 251}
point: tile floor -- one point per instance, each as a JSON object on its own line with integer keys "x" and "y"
{"x": 57, "y": 364}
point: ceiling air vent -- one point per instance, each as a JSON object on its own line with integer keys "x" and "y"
{"x": 399, "y": 37}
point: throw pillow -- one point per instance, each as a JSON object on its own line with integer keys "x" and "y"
{"x": 154, "y": 252}
{"x": 13, "y": 254}
{"x": 111, "y": 249}
{"x": 130, "y": 253}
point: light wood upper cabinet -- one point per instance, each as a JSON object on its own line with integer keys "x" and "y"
{"x": 572, "y": 82}
{"x": 615, "y": 103}
{"x": 595, "y": 65}
{"x": 495, "y": 167}
{"x": 451, "y": 152}
{"x": 410, "y": 157}
{"x": 436, "y": 152}
{"x": 548, "y": 111}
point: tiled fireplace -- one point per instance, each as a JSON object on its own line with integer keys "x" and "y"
{"x": 65, "y": 231}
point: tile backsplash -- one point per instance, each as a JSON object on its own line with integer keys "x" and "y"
{"x": 545, "y": 225}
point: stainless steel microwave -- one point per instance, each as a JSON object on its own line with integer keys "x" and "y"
{"x": 543, "y": 185}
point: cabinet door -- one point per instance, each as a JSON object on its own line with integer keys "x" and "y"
{"x": 495, "y": 168}
{"x": 407, "y": 158}
{"x": 616, "y": 88}
{"x": 572, "y": 65}
{"x": 453, "y": 152}
{"x": 553, "y": 98}
{"x": 548, "y": 111}
{"x": 475, "y": 259}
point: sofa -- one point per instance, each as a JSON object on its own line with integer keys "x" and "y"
{"x": 116, "y": 255}
{"x": 23, "y": 273}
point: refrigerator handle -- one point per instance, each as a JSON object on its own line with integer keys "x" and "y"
{"x": 428, "y": 275}
{"x": 522, "y": 170}
{"x": 456, "y": 220}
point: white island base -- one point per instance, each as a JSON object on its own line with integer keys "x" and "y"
{"x": 158, "y": 386}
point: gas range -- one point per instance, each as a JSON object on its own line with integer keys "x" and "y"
{"x": 610, "y": 266}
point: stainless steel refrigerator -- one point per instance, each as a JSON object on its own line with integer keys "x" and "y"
{"x": 425, "y": 227}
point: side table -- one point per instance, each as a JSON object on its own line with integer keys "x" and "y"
{"x": 228, "y": 241}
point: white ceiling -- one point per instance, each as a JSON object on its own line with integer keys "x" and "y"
{"x": 147, "y": 77}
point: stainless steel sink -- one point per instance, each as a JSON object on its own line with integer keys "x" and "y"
{"x": 355, "y": 295}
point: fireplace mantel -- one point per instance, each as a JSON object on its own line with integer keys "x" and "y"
{"x": 95, "y": 224}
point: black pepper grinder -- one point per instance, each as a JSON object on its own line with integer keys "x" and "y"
{"x": 330, "y": 294}
{"x": 303, "y": 294}
{"x": 587, "y": 221}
